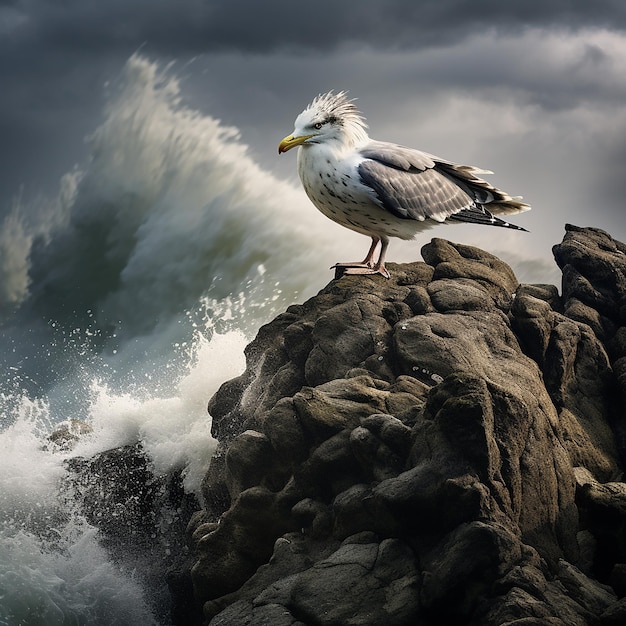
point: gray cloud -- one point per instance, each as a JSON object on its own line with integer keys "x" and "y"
{"x": 257, "y": 64}
{"x": 194, "y": 26}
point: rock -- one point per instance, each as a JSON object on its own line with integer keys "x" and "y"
{"x": 603, "y": 514}
{"x": 593, "y": 275}
{"x": 385, "y": 572}
{"x": 592, "y": 596}
{"x": 534, "y": 315}
{"x": 594, "y": 293}
{"x": 463, "y": 567}
{"x": 449, "y": 294}
{"x": 484, "y": 270}
{"x": 67, "y": 434}
{"x": 578, "y": 376}
{"x": 434, "y": 345}
{"x": 243, "y": 540}
{"x": 381, "y": 445}
{"x": 351, "y": 332}
{"x": 615, "y": 615}
{"x": 246, "y": 453}
{"x": 440, "y": 447}
{"x": 361, "y": 566}
{"x": 142, "y": 519}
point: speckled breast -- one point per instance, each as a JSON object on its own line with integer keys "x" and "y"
{"x": 339, "y": 194}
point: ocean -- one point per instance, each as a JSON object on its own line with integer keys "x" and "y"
{"x": 125, "y": 301}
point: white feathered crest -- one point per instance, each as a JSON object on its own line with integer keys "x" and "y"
{"x": 338, "y": 106}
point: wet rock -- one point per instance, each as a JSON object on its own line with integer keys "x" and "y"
{"x": 67, "y": 434}
{"x": 142, "y": 521}
{"x": 410, "y": 450}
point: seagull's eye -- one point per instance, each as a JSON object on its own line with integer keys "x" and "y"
{"x": 318, "y": 125}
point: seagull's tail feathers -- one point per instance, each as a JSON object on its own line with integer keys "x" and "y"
{"x": 482, "y": 192}
{"x": 480, "y": 215}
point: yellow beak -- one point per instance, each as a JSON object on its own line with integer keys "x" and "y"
{"x": 290, "y": 142}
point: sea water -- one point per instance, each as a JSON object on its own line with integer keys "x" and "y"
{"x": 125, "y": 301}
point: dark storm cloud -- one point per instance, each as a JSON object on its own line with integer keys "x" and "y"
{"x": 396, "y": 23}
{"x": 193, "y": 26}
{"x": 608, "y": 191}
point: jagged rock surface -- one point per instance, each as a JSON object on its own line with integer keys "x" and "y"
{"x": 141, "y": 519}
{"x": 442, "y": 447}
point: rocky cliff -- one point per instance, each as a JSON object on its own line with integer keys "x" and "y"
{"x": 442, "y": 447}
{"x": 445, "y": 447}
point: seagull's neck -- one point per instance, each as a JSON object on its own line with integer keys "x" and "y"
{"x": 336, "y": 149}
{"x": 355, "y": 137}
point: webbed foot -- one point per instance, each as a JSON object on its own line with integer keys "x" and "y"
{"x": 360, "y": 269}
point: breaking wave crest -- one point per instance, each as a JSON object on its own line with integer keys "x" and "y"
{"x": 169, "y": 204}
{"x": 124, "y": 302}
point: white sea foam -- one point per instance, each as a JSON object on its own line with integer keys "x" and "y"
{"x": 28, "y": 474}
{"x": 128, "y": 300}
{"x": 174, "y": 429}
{"x": 76, "y": 585}
{"x": 52, "y": 568}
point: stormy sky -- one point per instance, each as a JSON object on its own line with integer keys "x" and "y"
{"x": 534, "y": 91}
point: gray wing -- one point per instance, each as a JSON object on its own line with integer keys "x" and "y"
{"x": 407, "y": 183}
{"x": 415, "y": 185}
{"x": 398, "y": 156}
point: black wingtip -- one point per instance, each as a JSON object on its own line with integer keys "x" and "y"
{"x": 478, "y": 214}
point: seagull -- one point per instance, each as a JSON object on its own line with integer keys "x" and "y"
{"x": 382, "y": 189}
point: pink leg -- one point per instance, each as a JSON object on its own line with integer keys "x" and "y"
{"x": 380, "y": 265}
{"x": 367, "y": 262}
{"x": 369, "y": 259}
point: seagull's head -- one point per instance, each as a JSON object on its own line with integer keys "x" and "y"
{"x": 331, "y": 119}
